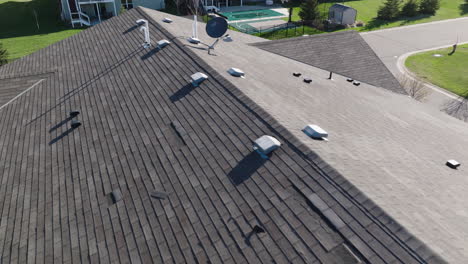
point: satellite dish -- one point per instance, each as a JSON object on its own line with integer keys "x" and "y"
{"x": 216, "y": 27}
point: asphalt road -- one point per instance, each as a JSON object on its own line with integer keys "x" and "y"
{"x": 395, "y": 44}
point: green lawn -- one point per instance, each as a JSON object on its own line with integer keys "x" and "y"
{"x": 18, "y": 28}
{"x": 448, "y": 72}
{"x": 367, "y": 11}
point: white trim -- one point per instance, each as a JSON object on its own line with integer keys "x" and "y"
{"x": 25, "y": 91}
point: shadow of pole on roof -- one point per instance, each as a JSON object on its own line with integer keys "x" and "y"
{"x": 88, "y": 83}
{"x": 63, "y": 122}
{"x": 64, "y": 134}
{"x": 246, "y": 167}
{"x": 181, "y": 93}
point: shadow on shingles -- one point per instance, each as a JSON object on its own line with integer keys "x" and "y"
{"x": 64, "y": 134}
{"x": 150, "y": 53}
{"x": 181, "y": 93}
{"x": 246, "y": 167}
{"x": 130, "y": 29}
{"x": 63, "y": 122}
{"x": 88, "y": 83}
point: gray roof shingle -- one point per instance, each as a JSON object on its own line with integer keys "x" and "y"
{"x": 136, "y": 139}
{"x": 345, "y": 53}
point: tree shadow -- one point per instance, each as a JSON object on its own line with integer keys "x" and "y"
{"x": 407, "y": 20}
{"x": 376, "y": 23}
{"x": 246, "y": 167}
{"x": 457, "y": 108}
{"x": 463, "y": 9}
{"x": 181, "y": 93}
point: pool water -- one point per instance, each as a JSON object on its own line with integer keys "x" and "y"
{"x": 233, "y": 16}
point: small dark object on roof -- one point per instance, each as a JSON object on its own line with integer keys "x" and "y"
{"x": 307, "y": 80}
{"x": 350, "y": 80}
{"x": 158, "y": 195}
{"x": 257, "y": 229}
{"x": 75, "y": 124}
{"x": 116, "y": 196}
{"x": 74, "y": 113}
{"x": 356, "y": 83}
{"x": 297, "y": 74}
{"x": 453, "y": 164}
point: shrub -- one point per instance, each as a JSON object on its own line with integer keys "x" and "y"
{"x": 410, "y": 8}
{"x": 3, "y": 55}
{"x": 309, "y": 10}
{"x": 429, "y": 7}
{"x": 390, "y": 10}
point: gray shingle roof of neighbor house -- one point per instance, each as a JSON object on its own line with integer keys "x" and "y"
{"x": 345, "y": 53}
{"x": 188, "y": 187}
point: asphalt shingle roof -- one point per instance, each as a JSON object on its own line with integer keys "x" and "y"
{"x": 146, "y": 133}
{"x": 345, "y": 53}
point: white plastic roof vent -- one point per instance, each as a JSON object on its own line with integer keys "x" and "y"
{"x": 356, "y": 83}
{"x": 236, "y": 72}
{"x": 316, "y": 132}
{"x": 453, "y": 164}
{"x": 198, "y": 78}
{"x": 167, "y": 20}
{"x": 307, "y": 80}
{"x": 265, "y": 145}
{"x": 193, "y": 40}
{"x": 163, "y": 43}
{"x": 227, "y": 38}
{"x": 350, "y": 80}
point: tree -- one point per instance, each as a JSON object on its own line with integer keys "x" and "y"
{"x": 410, "y": 8}
{"x": 429, "y": 7}
{"x": 309, "y": 10}
{"x": 3, "y": 55}
{"x": 290, "y": 4}
{"x": 390, "y": 10}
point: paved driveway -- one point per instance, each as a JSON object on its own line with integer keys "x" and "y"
{"x": 396, "y": 43}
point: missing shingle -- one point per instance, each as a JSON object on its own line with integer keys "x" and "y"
{"x": 158, "y": 195}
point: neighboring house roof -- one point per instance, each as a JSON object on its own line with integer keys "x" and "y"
{"x": 146, "y": 129}
{"x": 340, "y": 7}
{"x": 345, "y": 53}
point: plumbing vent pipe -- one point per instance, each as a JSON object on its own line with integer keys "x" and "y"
{"x": 198, "y": 78}
{"x": 236, "y": 72}
{"x": 74, "y": 113}
{"x": 265, "y": 145}
{"x": 315, "y": 132}
{"x": 116, "y": 196}
{"x": 75, "y": 124}
{"x": 453, "y": 164}
{"x": 167, "y": 20}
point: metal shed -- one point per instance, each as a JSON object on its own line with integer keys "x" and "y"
{"x": 342, "y": 14}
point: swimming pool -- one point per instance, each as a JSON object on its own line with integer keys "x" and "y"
{"x": 233, "y": 16}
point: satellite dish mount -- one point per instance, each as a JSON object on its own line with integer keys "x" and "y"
{"x": 216, "y": 28}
